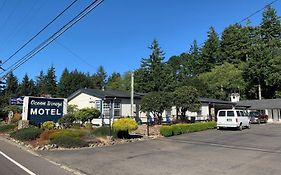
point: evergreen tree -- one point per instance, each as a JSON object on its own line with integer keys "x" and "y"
{"x": 32, "y": 88}
{"x": 24, "y": 89}
{"x": 99, "y": 78}
{"x": 50, "y": 82}
{"x": 64, "y": 84}
{"x": 12, "y": 85}
{"x": 194, "y": 60}
{"x": 149, "y": 78}
{"x": 210, "y": 51}
{"x": 40, "y": 84}
{"x": 264, "y": 56}
{"x": 114, "y": 81}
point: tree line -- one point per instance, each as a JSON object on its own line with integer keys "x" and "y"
{"x": 241, "y": 59}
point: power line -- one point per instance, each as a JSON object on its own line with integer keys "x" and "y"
{"x": 32, "y": 38}
{"x": 75, "y": 54}
{"x": 44, "y": 44}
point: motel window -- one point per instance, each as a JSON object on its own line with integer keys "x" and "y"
{"x": 117, "y": 109}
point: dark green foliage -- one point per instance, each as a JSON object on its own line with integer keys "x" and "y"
{"x": 114, "y": 82}
{"x": 153, "y": 75}
{"x": 103, "y": 131}
{"x": 178, "y": 129}
{"x": 99, "y": 78}
{"x": 186, "y": 98}
{"x": 74, "y": 133}
{"x": 166, "y": 131}
{"x": 87, "y": 114}
{"x": 6, "y": 128}
{"x": 69, "y": 142}
{"x": 26, "y": 134}
{"x": 51, "y": 82}
{"x": 210, "y": 51}
{"x": 67, "y": 120}
{"x": 156, "y": 103}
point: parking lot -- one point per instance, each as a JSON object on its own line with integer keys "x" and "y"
{"x": 255, "y": 151}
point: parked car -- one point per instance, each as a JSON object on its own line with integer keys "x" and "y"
{"x": 232, "y": 118}
{"x": 257, "y": 117}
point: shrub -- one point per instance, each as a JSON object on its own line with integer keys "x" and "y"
{"x": 75, "y": 126}
{"x": 102, "y": 132}
{"x": 45, "y": 135}
{"x": 125, "y": 124}
{"x": 7, "y": 128}
{"x": 16, "y": 118}
{"x": 48, "y": 125}
{"x": 26, "y": 134}
{"x": 87, "y": 114}
{"x": 177, "y": 129}
{"x": 66, "y": 132}
{"x": 166, "y": 131}
{"x": 67, "y": 120}
{"x": 69, "y": 142}
{"x": 89, "y": 126}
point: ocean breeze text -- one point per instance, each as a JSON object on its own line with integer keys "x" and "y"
{"x": 52, "y": 108}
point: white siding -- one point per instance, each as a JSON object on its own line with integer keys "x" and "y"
{"x": 126, "y": 109}
{"x": 84, "y": 101}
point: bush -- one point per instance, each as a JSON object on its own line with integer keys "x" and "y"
{"x": 48, "y": 125}
{"x": 45, "y": 135}
{"x": 125, "y": 124}
{"x": 87, "y": 114}
{"x": 69, "y": 142}
{"x": 7, "y": 128}
{"x": 177, "y": 129}
{"x": 26, "y": 134}
{"x": 89, "y": 126}
{"x": 75, "y": 126}
{"x": 102, "y": 132}
{"x": 16, "y": 118}
{"x": 67, "y": 120}
{"x": 74, "y": 133}
{"x": 166, "y": 131}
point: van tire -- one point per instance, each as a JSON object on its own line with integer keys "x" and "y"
{"x": 249, "y": 126}
{"x": 218, "y": 128}
{"x": 240, "y": 127}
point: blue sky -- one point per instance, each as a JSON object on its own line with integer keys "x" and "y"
{"x": 117, "y": 33}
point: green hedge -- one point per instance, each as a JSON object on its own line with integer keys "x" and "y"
{"x": 178, "y": 129}
{"x": 7, "y": 128}
{"x": 26, "y": 134}
{"x": 69, "y": 142}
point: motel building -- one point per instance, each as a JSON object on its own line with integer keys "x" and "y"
{"x": 120, "y": 102}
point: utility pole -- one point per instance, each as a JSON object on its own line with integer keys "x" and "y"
{"x": 259, "y": 88}
{"x": 132, "y": 94}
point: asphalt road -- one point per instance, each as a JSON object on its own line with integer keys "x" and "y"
{"x": 17, "y": 161}
{"x": 253, "y": 152}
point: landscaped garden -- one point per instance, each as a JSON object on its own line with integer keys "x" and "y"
{"x": 74, "y": 130}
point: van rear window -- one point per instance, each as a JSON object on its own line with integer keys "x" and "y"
{"x": 238, "y": 113}
{"x": 222, "y": 114}
{"x": 230, "y": 113}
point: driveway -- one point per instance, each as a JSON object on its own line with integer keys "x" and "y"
{"x": 253, "y": 152}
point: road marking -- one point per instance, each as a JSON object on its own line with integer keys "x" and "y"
{"x": 18, "y": 164}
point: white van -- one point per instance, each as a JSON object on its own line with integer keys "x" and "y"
{"x": 233, "y": 118}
